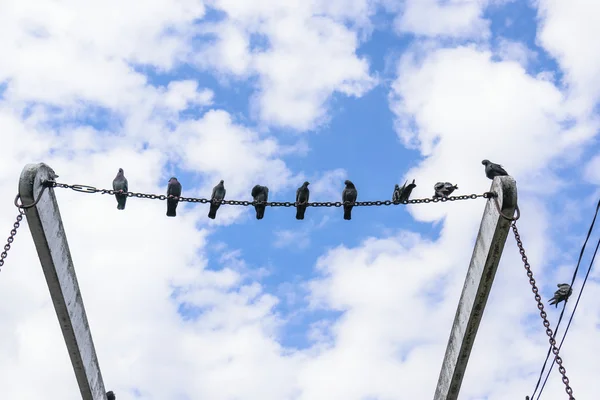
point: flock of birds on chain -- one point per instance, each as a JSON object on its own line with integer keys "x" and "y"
{"x": 260, "y": 194}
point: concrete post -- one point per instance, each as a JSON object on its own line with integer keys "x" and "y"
{"x": 478, "y": 284}
{"x": 50, "y": 241}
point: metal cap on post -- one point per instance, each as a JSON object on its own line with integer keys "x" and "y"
{"x": 45, "y": 224}
{"x": 490, "y": 242}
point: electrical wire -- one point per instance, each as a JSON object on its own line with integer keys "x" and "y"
{"x": 565, "y": 304}
{"x": 572, "y": 314}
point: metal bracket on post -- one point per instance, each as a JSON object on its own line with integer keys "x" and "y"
{"x": 46, "y": 227}
{"x": 490, "y": 242}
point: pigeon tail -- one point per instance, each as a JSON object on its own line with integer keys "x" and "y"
{"x": 347, "y": 212}
{"x": 300, "y": 210}
{"x": 260, "y": 212}
{"x": 172, "y": 207}
{"x": 212, "y": 213}
{"x": 121, "y": 200}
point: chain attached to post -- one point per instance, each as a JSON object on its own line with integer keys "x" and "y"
{"x": 21, "y": 207}
{"x": 11, "y": 238}
{"x": 543, "y": 314}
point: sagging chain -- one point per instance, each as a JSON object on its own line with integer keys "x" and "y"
{"x": 11, "y": 238}
{"x": 543, "y": 314}
{"x": 91, "y": 189}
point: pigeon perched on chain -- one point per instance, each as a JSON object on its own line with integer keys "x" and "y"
{"x": 120, "y": 184}
{"x": 218, "y": 194}
{"x": 349, "y": 195}
{"x": 443, "y": 189}
{"x": 302, "y": 196}
{"x": 260, "y": 193}
{"x": 110, "y": 395}
{"x": 173, "y": 189}
{"x": 562, "y": 294}
{"x": 397, "y": 193}
{"x": 407, "y": 190}
{"x": 493, "y": 170}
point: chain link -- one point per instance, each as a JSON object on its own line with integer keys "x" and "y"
{"x": 11, "y": 238}
{"x": 91, "y": 189}
{"x": 543, "y": 314}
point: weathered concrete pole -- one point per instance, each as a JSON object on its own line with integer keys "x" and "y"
{"x": 478, "y": 284}
{"x": 50, "y": 241}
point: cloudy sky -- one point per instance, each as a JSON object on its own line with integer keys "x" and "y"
{"x": 275, "y": 93}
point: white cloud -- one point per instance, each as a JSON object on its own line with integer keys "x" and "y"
{"x": 458, "y": 107}
{"x": 592, "y": 170}
{"x": 453, "y": 18}
{"x": 62, "y": 52}
{"x": 510, "y": 50}
{"x": 309, "y": 56}
{"x": 292, "y": 238}
{"x": 181, "y": 94}
{"x": 568, "y": 31}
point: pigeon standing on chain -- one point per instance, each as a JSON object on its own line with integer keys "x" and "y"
{"x": 302, "y": 196}
{"x": 443, "y": 189}
{"x": 260, "y": 193}
{"x": 407, "y": 190}
{"x": 397, "y": 193}
{"x": 173, "y": 189}
{"x": 120, "y": 184}
{"x": 349, "y": 195}
{"x": 493, "y": 170}
{"x": 110, "y": 395}
{"x": 562, "y": 294}
{"x": 218, "y": 194}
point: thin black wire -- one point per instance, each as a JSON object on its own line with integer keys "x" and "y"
{"x": 565, "y": 304}
{"x": 572, "y": 313}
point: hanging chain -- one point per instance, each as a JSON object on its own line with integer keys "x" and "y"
{"x": 11, "y": 238}
{"x": 21, "y": 207}
{"x": 91, "y": 189}
{"x": 543, "y": 314}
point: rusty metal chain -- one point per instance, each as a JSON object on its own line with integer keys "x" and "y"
{"x": 543, "y": 314}
{"x": 91, "y": 189}
{"x": 11, "y": 238}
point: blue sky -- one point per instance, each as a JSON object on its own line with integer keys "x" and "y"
{"x": 276, "y": 93}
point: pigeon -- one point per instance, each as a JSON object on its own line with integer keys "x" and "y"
{"x": 111, "y": 396}
{"x": 443, "y": 189}
{"x": 260, "y": 193}
{"x": 397, "y": 193}
{"x": 218, "y": 194}
{"x": 173, "y": 189}
{"x": 407, "y": 190}
{"x": 302, "y": 195}
{"x": 562, "y": 294}
{"x": 493, "y": 170}
{"x": 120, "y": 184}
{"x": 349, "y": 195}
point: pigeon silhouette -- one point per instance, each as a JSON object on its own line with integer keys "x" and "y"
{"x": 349, "y": 195}
{"x": 562, "y": 294}
{"x": 407, "y": 190}
{"x": 443, "y": 189}
{"x": 218, "y": 194}
{"x": 493, "y": 170}
{"x": 120, "y": 184}
{"x": 260, "y": 193}
{"x": 302, "y": 196}
{"x": 397, "y": 193}
{"x": 173, "y": 189}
